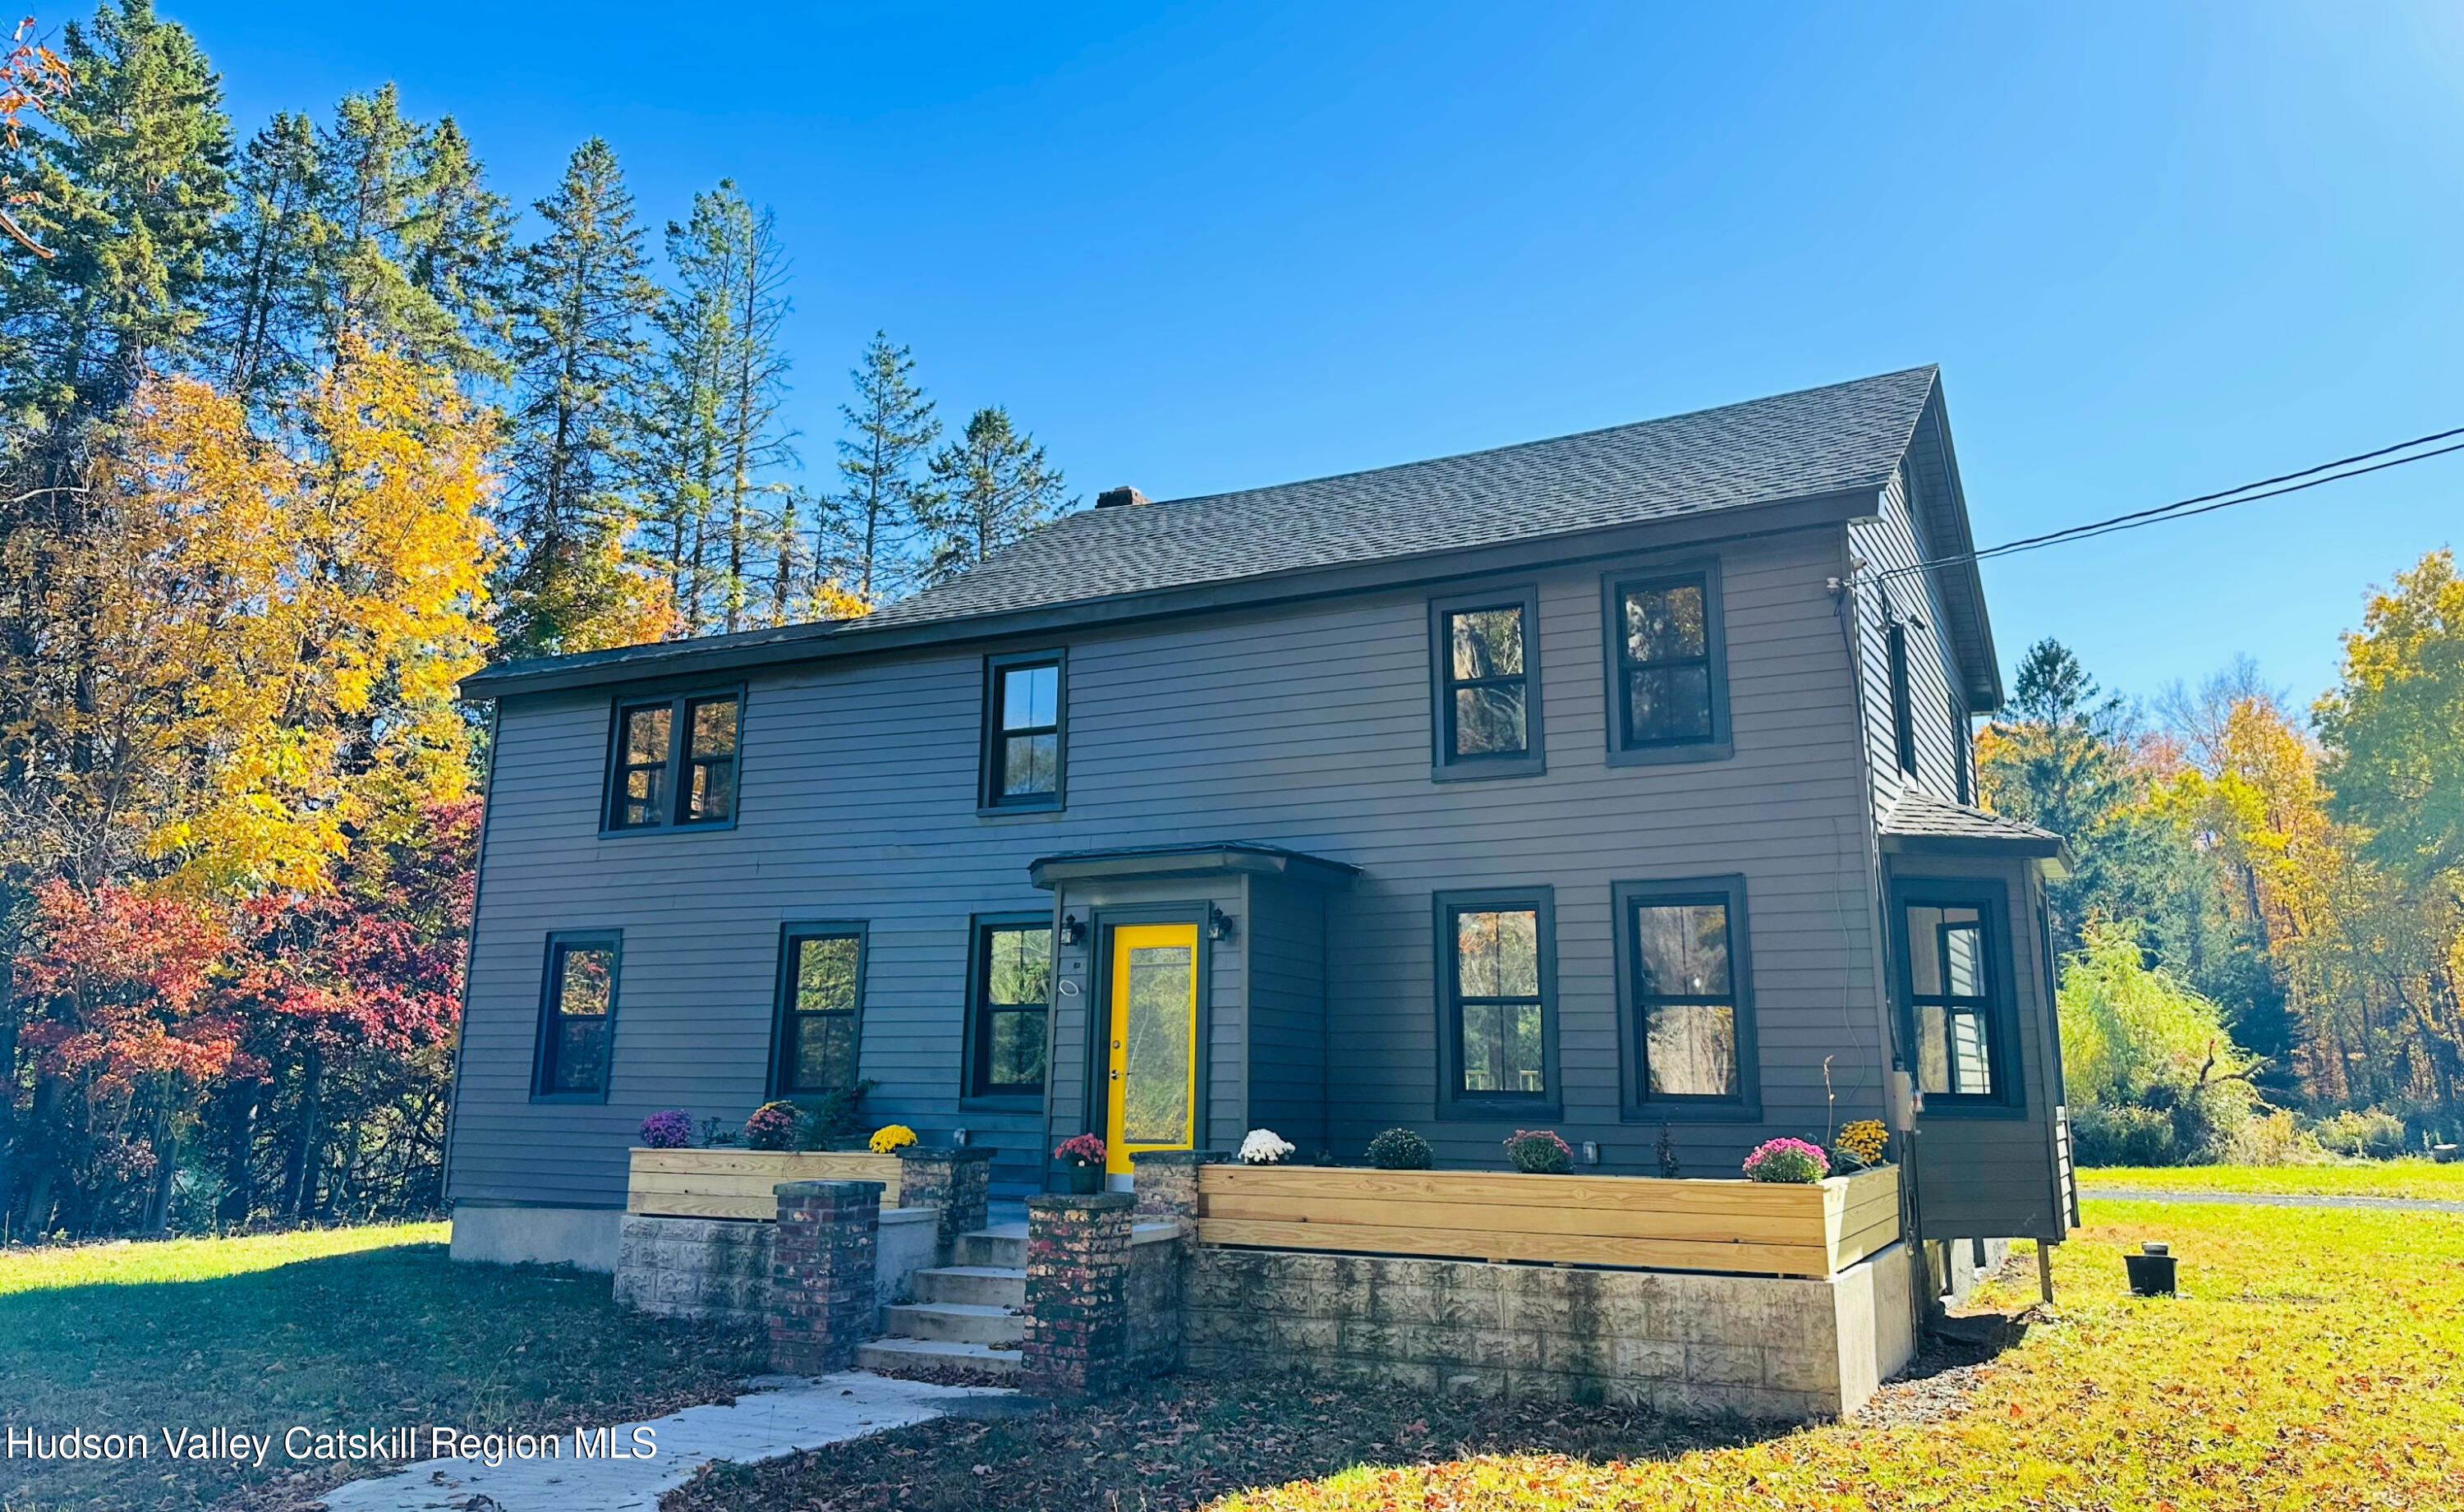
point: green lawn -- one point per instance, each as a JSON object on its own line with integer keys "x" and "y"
{"x": 2314, "y": 1362}
{"x": 2359, "y": 1178}
{"x": 331, "y": 1328}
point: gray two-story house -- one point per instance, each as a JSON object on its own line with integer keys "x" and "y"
{"x": 1618, "y": 784}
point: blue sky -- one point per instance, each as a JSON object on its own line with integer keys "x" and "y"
{"x": 2157, "y": 249}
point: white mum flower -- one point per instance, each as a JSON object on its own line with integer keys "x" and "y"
{"x": 1264, "y": 1148}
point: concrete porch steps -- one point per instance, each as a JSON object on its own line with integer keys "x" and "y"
{"x": 993, "y": 1327}
{"x": 969, "y": 1315}
{"x": 983, "y": 1285}
{"x": 935, "y": 1354}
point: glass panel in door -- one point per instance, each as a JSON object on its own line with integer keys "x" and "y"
{"x": 1153, "y": 1088}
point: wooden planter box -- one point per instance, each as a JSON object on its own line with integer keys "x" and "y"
{"x": 1741, "y": 1227}
{"x": 737, "y": 1183}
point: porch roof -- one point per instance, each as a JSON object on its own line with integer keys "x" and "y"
{"x": 1210, "y": 857}
{"x": 1920, "y": 821}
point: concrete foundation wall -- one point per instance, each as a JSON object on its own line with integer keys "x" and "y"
{"x": 584, "y": 1238}
{"x": 1681, "y": 1343}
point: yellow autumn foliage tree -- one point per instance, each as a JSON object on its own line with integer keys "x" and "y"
{"x": 257, "y": 641}
{"x": 2368, "y": 969}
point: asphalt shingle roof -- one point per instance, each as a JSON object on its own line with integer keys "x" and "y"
{"x": 1818, "y": 441}
{"x": 1920, "y": 815}
{"x": 1791, "y": 446}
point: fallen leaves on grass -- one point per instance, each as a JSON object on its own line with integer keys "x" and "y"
{"x": 1174, "y": 1444}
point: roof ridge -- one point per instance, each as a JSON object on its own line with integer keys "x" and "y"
{"x": 1915, "y": 420}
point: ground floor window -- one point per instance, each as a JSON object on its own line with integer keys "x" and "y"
{"x": 821, "y": 989}
{"x": 577, "y": 1015}
{"x": 1497, "y": 981}
{"x": 1013, "y": 1001}
{"x": 1955, "y": 973}
{"x": 1687, "y": 997}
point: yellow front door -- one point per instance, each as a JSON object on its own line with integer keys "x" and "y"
{"x": 1153, "y": 1089}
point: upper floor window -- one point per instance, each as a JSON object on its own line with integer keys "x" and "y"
{"x": 1025, "y": 723}
{"x": 577, "y": 1015}
{"x": 1497, "y": 977}
{"x": 1955, "y": 973}
{"x": 820, "y": 987}
{"x": 674, "y": 762}
{"x": 1487, "y": 714}
{"x": 1903, "y": 718}
{"x": 1964, "y": 756}
{"x": 1013, "y": 996}
{"x": 1690, "y": 1038}
{"x": 1667, "y": 669}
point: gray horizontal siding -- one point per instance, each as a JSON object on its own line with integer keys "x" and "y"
{"x": 1306, "y": 727}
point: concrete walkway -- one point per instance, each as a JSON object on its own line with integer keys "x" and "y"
{"x": 779, "y": 1415}
{"x": 2274, "y": 1200}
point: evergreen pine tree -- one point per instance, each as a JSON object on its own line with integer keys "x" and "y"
{"x": 992, "y": 486}
{"x": 410, "y": 260}
{"x": 893, "y": 424}
{"x": 724, "y": 327}
{"x": 578, "y": 350}
{"x": 129, "y": 181}
{"x": 262, "y": 329}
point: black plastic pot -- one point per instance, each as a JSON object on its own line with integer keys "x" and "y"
{"x": 2151, "y": 1270}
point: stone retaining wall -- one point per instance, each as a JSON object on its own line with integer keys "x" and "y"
{"x": 718, "y": 1269}
{"x": 1680, "y": 1341}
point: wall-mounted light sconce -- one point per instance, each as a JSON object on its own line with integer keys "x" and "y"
{"x": 1219, "y": 924}
{"x": 1072, "y": 931}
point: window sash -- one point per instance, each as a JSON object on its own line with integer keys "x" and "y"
{"x": 1903, "y": 723}
{"x": 830, "y": 1034}
{"x": 1456, "y": 684}
{"x": 1506, "y": 1029}
{"x": 1026, "y": 1019}
{"x": 691, "y": 782}
{"x": 1960, "y": 1036}
{"x": 574, "y": 1048}
{"x": 1022, "y": 760}
{"x": 1670, "y": 668}
{"x": 1730, "y": 999}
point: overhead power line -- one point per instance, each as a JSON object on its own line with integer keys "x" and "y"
{"x": 2420, "y": 448}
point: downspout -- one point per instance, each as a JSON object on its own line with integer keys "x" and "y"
{"x": 470, "y": 958}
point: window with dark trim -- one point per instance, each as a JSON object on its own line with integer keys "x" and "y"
{"x": 1667, "y": 668}
{"x": 1025, "y": 730}
{"x": 1904, "y": 719}
{"x": 1964, "y": 740}
{"x": 577, "y": 1015}
{"x": 1484, "y": 651}
{"x": 1013, "y": 1001}
{"x": 1687, "y": 979}
{"x": 1955, "y": 975}
{"x": 674, "y": 762}
{"x": 1497, "y": 987}
{"x": 821, "y": 996}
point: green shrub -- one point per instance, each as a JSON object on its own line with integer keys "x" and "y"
{"x": 2365, "y": 1134}
{"x": 2121, "y": 1136}
{"x": 1402, "y": 1149}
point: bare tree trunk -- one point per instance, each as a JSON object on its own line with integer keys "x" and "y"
{"x": 299, "y": 1181}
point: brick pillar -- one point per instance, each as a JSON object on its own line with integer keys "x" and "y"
{"x": 957, "y": 1181}
{"x": 1167, "y": 1181}
{"x": 1077, "y": 1293}
{"x": 821, "y": 1274}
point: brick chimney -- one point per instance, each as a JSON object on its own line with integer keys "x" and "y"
{"x": 1115, "y": 498}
